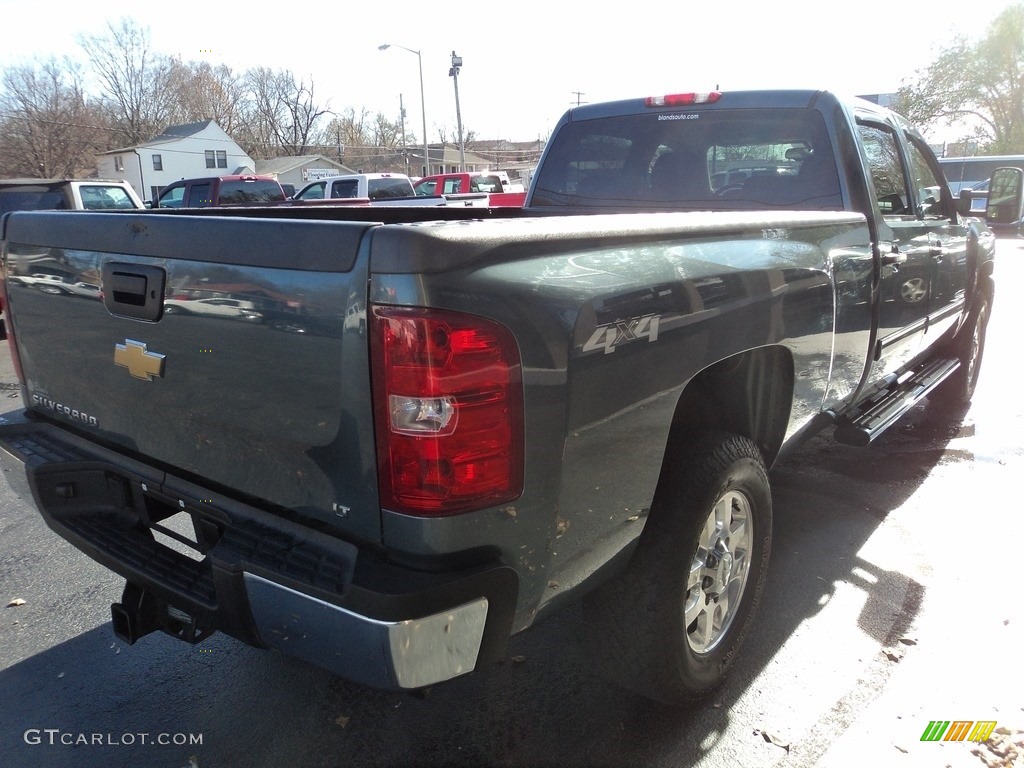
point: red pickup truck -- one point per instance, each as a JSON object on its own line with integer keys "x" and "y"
{"x": 449, "y": 184}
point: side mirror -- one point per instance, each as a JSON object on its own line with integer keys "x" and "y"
{"x": 964, "y": 202}
{"x": 1005, "y": 208}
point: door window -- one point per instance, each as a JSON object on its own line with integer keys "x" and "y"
{"x": 173, "y": 197}
{"x": 928, "y": 186}
{"x": 886, "y": 170}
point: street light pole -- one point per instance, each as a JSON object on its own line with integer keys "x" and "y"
{"x": 454, "y": 73}
{"x": 423, "y": 104}
{"x": 405, "y": 149}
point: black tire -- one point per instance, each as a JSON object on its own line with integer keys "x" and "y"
{"x": 970, "y": 348}
{"x": 652, "y": 628}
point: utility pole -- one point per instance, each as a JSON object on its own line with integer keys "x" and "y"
{"x": 423, "y": 104}
{"x": 454, "y": 74}
{"x": 405, "y": 150}
{"x": 579, "y": 96}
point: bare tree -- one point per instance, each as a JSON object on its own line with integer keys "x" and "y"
{"x": 283, "y": 115}
{"x": 137, "y": 83}
{"x": 49, "y": 128}
{"x": 979, "y": 86}
{"x": 386, "y": 140}
{"x": 206, "y": 92}
{"x": 346, "y": 134}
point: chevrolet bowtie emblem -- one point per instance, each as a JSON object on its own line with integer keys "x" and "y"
{"x": 140, "y": 363}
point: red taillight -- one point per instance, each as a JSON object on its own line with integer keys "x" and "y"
{"x": 448, "y": 404}
{"x": 683, "y": 99}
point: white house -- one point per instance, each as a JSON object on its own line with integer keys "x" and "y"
{"x": 180, "y": 152}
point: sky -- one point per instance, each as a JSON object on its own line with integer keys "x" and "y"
{"x": 525, "y": 62}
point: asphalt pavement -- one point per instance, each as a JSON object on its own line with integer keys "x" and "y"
{"x": 893, "y": 600}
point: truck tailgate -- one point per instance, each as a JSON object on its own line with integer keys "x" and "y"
{"x": 229, "y": 349}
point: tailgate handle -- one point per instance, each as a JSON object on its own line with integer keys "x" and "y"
{"x": 134, "y": 290}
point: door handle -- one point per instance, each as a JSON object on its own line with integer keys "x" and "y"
{"x": 133, "y": 290}
{"x": 893, "y": 258}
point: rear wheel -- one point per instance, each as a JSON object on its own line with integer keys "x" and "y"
{"x": 970, "y": 349}
{"x": 670, "y": 625}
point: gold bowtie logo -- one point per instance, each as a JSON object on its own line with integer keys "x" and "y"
{"x": 141, "y": 363}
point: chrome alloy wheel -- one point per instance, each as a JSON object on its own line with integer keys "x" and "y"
{"x": 914, "y": 290}
{"x": 718, "y": 571}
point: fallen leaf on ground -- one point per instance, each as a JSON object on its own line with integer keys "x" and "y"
{"x": 15, "y": 602}
{"x": 342, "y": 720}
{"x": 771, "y": 738}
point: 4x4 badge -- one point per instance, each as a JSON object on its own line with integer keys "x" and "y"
{"x": 140, "y": 363}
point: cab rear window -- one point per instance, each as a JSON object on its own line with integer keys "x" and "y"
{"x": 721, "y": 159}
{"x": 235, "y": 192}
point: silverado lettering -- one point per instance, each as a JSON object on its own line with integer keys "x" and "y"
{"x": 415, "y": 439}
{"x": 74, "y": 413}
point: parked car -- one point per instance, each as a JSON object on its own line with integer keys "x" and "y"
{"x": 58, "y": 284}
{"x": 220, "y": 190}
{"x": 360, "y": 189}
{"x": 67, "y": 194}
{"x": 494, "y": 185}
{"x": 373, "y": 186}
{"x": 458, "y": 183}
{"x": 238, "y": 309}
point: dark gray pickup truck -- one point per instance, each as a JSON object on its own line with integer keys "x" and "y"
{"x": 431, "y": 427}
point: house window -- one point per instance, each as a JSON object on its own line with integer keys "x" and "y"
{"x": 210, "y": 161}
{"x": 158, "y": 163}
{"x": 222, "y": 158}
{"x": 118, "y": 163}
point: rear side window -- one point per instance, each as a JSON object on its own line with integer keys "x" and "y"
{"x": 721, "y": 159}
{"x": 22, "y": 200}
{"x": 345, "y": 188}
{"x": 485, "y": 184}
{"x": 237, "y": 192}
{"x": 199, "y": 195}
{"x": 386, "y": 189}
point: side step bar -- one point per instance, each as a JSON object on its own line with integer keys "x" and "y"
{"x": 883, "y": 409}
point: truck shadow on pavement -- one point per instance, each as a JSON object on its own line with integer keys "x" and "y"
{"x": 545, "y": 705}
